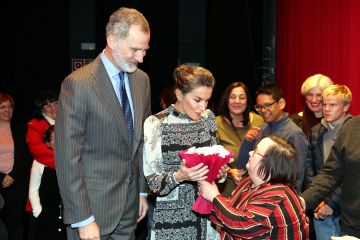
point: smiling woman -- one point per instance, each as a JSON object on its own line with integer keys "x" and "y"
{"x": 44, "y": 111}
{"x": 15, "y": 163}
{"x": 312, "y": 114}
{"x": 233, "y": 122}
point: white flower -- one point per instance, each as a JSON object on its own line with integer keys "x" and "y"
{"x": 209, "y": 151}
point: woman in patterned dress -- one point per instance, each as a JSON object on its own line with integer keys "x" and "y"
{"x": 185, "y": 124}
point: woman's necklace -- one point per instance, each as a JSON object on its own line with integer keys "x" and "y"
{"x": 8, "y": 162}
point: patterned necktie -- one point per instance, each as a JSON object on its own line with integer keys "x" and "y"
{"x": 127, "y": 112}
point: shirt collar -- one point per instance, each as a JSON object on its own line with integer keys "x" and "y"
{"x": 282, "y": 121}
{"x": 110, "y": 68}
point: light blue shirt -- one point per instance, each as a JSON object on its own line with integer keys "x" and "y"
{"x": 113, "y": 73}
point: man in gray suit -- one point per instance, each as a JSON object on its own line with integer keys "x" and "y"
{"x": 99, "y": 135}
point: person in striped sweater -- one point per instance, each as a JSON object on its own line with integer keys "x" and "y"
{"x": 264, "y": 205}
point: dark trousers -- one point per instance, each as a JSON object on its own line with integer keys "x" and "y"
{"x": 13, "y": 210}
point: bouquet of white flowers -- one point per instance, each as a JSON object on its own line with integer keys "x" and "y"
{"x": 214, "y": 157}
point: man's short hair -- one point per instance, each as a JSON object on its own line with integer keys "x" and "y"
{"x": 281, "y": 163}
{"x": 317, "y": 80}
{"x": 341, "y": 92}
{"x": 121, "y": 20}
{"x": 271, "y": 89}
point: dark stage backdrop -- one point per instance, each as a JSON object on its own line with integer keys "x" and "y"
{"x": 234, "y": 44}
{"x": 35, "y": 46}
{"x": 34, "y": 50}
{"x": 317, "y": 36}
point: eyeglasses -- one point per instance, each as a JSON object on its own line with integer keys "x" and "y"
{"x": 2, "y": 107}
{"x": 265, "y": 106}
{"x": 49, "y": 106}
{"x": 256, "y": 151}
{"x": 52, "y": 139}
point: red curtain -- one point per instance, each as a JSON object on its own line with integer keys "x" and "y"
{"x": 317, "y": 36}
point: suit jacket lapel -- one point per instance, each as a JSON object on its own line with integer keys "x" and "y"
{"x": 136, "y": 100}
{"x": 107, "y": 95}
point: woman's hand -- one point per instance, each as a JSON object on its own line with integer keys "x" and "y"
{"x": 224, "y": 170}
{"x": 193, "y": 174}
{"x": 236, "y": 175}
{"x": 208, "y": 191}
{"x": 7, "y": 181}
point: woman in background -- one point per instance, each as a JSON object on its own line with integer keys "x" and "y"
{"x": 185, "y": 124}
{"x": 312, "y": 114}
{"x": 233, "y": 122}
{"x": 45, "y": 197}
{"x": 15, "y": 163}
{"x": 45, "y": 113}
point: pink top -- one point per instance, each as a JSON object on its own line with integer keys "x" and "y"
{"x": 6, "y": 149}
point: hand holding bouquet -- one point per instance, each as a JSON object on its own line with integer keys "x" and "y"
{"x": 214, "y": 157}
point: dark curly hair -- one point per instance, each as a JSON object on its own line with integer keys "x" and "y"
{"x": 223, "y": 109}
{"x": 42, "y": 99}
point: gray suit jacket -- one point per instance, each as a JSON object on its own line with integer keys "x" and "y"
{"x": 92, "y": 148}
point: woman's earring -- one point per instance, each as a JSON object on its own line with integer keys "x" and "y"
{"x": 179, "y": 100}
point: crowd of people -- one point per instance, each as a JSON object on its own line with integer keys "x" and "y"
{"x": 89, "y": 175}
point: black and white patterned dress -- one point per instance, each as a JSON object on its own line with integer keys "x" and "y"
{"x": 166, "y": 134}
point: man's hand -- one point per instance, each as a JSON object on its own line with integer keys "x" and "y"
{"x": 253, "y": 134}
{"x": 7, "y": 181}
{"x": 89, "y": 232}
{"x": 143, "y": 207}
{"x": 323, "y": 211}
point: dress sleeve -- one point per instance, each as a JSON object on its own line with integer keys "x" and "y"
{"x": 252, "y": 220}
{"x": 37, "y": 170}
{"x": 159, "y": 181}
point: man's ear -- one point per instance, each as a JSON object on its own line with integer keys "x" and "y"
{"x": 282, "y": 103}
{"x": 111, "y": 41}
{"x": 346, "y": 107}
{"x": 47, "y": 144}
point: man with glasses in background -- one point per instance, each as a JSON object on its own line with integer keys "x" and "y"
{"x": 270, "y": 103}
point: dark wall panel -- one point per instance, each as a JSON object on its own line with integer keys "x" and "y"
{"x": 34, "y": 50}
{"x": 234, "y": 43}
